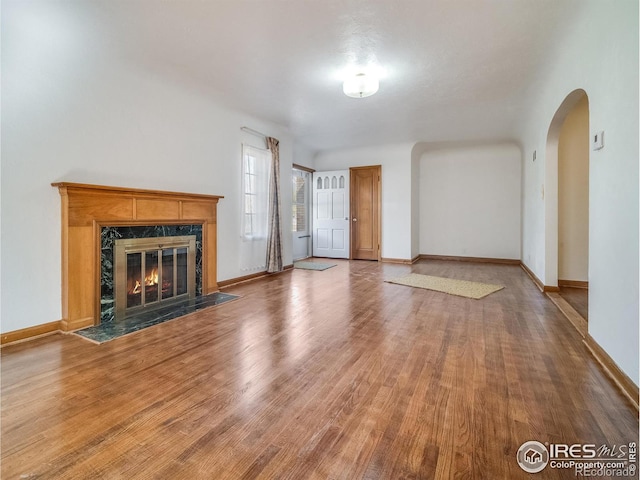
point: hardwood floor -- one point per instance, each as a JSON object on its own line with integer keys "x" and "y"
{"x": 578, "y": 298}
{"x": 333, "y": 374}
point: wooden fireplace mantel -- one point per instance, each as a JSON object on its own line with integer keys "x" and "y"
{"x": 87, "y": 208}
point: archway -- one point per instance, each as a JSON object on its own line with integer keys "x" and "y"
{"x": 567, "y": 198}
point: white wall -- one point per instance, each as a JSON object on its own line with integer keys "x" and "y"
{"x": 415, "y": 200}
{"x": 470, "y": 201}
{"x": 396, "y": 189}
{"x": 600, "y": 55}
{"x": 573, "y": 194}
{"x": 303, "y": 156}
{"x": 71, "y": 115}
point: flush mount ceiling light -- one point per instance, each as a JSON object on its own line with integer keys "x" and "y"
{"x": 360, "y": 85}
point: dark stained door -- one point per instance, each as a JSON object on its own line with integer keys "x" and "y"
{"x": 365, "y": 212}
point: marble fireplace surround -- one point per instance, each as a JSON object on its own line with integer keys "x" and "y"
{"x": 89, "y": 209}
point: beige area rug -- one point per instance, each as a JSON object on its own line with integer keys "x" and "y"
{"x": 462, "y": 288}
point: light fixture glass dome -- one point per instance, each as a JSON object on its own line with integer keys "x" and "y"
{"x": 360, "y": 85}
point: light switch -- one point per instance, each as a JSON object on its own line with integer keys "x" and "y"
{"x": 598, "y": 140}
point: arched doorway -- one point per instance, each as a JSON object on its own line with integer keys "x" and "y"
{"x": 573, "y": 207}
{"x": 567, "y": 201}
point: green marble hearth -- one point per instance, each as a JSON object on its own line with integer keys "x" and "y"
{"x": 113, "y": 329}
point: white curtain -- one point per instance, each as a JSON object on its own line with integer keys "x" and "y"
{"x": 256, "y": 166}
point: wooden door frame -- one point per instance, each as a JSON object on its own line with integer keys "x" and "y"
{"x": 378, "y": 207}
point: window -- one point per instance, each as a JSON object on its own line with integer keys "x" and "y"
{"x": 256, "y": 164}
{"x": 299, "y": 203}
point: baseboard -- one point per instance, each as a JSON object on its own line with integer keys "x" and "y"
{"x": 244, "y": 278}
{"x": 248, "y": 278}
{"x": 570, "y": 313}
{"x": 541, "y": 286}
{"x": 30, "y": 333}
{"x": 626, "y": 385}
{"x": 403, "y": 261}
{"x": 533, "y": 277}
{"x": 70, "y": 326}
{"x": 573, "y": 284}
{"x": 504, "y": 261}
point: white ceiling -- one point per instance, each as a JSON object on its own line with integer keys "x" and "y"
{"x": 454, "y": 70}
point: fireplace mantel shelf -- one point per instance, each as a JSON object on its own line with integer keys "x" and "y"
{"x": 87, "y": 208}
{"x": 138, "y": 192}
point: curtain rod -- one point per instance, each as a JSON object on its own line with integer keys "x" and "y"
{"x": 253, "y": 132}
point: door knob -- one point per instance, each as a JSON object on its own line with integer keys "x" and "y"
{"x": 355, "y": 219}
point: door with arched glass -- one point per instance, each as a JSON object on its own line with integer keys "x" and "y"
{"x": 331, "y": 214}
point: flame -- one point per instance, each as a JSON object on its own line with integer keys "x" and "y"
{"x": 152, "y": 278}
{"x": 149, "y": 280}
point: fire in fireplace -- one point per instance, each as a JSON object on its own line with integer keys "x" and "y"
{"x": 153, "y": 272}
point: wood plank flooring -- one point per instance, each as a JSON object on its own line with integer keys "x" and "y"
{"x": 328, "y": 375}
{"x": 578, "y": 298}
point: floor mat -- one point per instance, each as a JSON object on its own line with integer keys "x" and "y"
{"x": 313, "y": 265}
{"x": 461, "y": 288}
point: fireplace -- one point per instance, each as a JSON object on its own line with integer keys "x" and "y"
{"x": 153, "y": 272}
{"x": 146, "y": 267}
{"x": 94, "y": 217}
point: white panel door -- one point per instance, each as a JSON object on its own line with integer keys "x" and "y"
{"x": 331, "y": 214}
